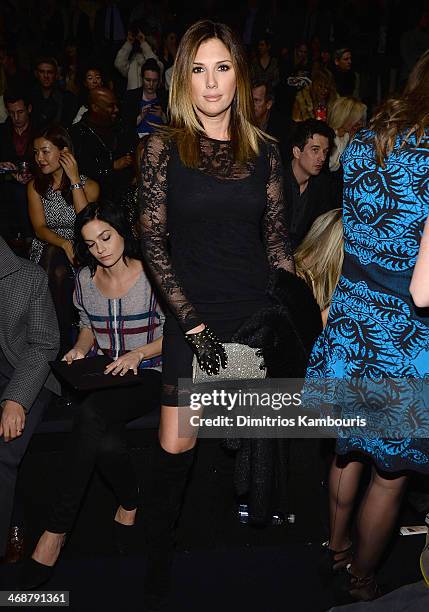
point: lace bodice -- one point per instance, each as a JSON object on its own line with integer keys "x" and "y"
{"x": 212, "y": 234}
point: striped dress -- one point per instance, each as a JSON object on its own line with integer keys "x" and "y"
{"x": 119, "y": 324}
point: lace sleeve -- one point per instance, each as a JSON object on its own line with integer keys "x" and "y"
{"x": 276, "y": 237}
{"x": 153, "y": 222}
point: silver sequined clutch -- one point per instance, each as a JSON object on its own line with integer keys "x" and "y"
{"x": 243, "y": 363}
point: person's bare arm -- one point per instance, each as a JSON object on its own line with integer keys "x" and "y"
{"x": 419, "y": 287}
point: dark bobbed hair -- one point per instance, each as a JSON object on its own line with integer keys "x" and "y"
{"x": 85, "y": 67}
{"x": 304, "y": 130}
{"x": 59, "y": 137}
{"x": 114, "y": 215}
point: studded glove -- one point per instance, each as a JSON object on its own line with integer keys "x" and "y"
{"x": 209, "y": 351}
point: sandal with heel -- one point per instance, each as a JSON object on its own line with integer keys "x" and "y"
{"x": 333, "y": 562}
{"x": 363, "y": 589}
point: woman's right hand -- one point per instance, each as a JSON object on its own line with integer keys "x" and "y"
{"x": 68, "y": 250}
{"x": 73, "y": 355}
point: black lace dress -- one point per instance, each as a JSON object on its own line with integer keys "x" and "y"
{"x": 211, "y": 236}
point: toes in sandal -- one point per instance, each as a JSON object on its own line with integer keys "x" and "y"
{"x": 363, "y": 589}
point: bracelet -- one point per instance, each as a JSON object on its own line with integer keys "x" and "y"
{"x": 76, "y": 186}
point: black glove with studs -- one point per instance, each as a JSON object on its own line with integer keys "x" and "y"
{"x": 209, "y": 351}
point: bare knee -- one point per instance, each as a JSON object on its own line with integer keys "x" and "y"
{"x": 171, "y": 435}
{"x": 176, "y": 445}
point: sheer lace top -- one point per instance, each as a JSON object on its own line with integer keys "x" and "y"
{"x": 212, "y": 234}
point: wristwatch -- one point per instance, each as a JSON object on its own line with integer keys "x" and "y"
{"x": 76, "y": 186}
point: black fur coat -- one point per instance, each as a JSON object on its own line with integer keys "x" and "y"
{"x": 285, "y": 332}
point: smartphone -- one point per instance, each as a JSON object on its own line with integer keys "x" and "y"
{"x": 413, "y": 530}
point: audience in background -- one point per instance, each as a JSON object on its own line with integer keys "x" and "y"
{"x": 169, "y": 48}
{"x": 265, "y": 66}
{"x": 268, "y": 118}
{"x": 346, "y": 116}
{"x": 92, "y": 78}
{"x": 133, "y": 54}
{"x": 315, "y": 100}
{"x": 56, "y": 193}
{"x": 308, "y": 191}
{"x": 16, "y": 77}
{"x": 145, "y": 106}
{"x": 50, "y": 103}
{"x": 103, "y": 144}
{"x": 346, "y": 80}
{"x": 16, "y": 147}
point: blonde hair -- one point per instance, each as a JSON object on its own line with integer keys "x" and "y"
{"x": 346, "y": 110}
{"x": 322, "y": 76}
{"x": 319, "y": 258}
{"x": 184, "y": 123}
{"x": 403, "y": 115}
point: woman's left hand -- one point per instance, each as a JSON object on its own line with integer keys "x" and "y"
{"x": 129, "y": 361}
{"x": 69, "y": 165}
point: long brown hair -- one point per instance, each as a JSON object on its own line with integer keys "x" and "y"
{"x": 184, "y": 123}
{"x": 60, "y": 138}
{"x": 404, "y": 115}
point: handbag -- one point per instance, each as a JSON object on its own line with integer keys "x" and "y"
{"x": 244, "y": 363}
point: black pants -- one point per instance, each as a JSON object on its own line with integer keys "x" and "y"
{"x": 61, "y": 283}
{"x": 11, "y": 454}
{"x": 98, "y": 439}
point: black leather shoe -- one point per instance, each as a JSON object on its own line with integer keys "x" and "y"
{"x": 124, "y": 537}
{"x": 34, "y": 574}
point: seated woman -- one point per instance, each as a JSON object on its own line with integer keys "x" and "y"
{"x": 346, "y": 116}
{"x": 319, "y": 257}
{"x": 315, "y": 100}
{"x": 112, "y": 295}
{"x": 91, "y": 78}
{"x": 55, "y": 195}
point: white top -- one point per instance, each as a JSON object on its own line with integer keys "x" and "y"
{"x": 340, "y": 143}
{"x": 131, "y": 69}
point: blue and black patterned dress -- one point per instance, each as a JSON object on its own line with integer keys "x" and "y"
{"x": 374, "y": 331}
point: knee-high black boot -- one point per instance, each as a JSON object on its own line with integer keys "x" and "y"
{"x": 162, "y": 508}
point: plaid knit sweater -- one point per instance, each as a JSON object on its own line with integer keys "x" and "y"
{"x": 119, "y": 324}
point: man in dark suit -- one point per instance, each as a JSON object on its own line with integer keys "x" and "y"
{"x": 269, "y": 119}
{"x": 50, "y": 103}
{"x": 29, "y": 338}
{"x": 309, "y": 191}
{"x": 104, "y": 144}
{"x": 16, "y": 147}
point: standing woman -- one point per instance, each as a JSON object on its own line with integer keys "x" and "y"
{"x": 212, "y": 182}
{"x": 55, "y": 195}
{"x": 374, "y": 330}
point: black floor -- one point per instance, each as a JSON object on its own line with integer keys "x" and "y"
{"x": 221, "y": 565}
{"x": 254, "y": 579}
